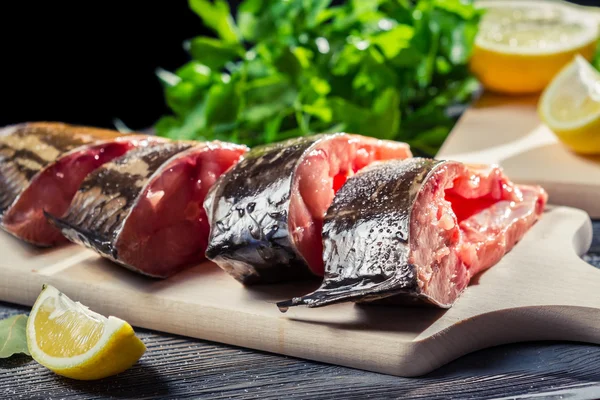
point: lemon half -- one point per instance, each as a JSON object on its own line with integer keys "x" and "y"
{"x": 570, "y": 106}
{"x": 71, "y": 340}
{"x": 521, "y": 45}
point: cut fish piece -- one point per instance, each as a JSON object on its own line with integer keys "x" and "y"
{"x": 419, "y": 230}
{"x": 41, "y": 168}
{"x": 266, "y": 214}
{"x": 144, "y": 210}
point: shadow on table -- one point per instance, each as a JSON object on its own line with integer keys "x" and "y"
{"x": 137, "y": 382}
{"x": 567, "y": 361}
{"x": 522, "y": 370}
{"x": 363, "y": 317}
{"x": 14, "y": 361}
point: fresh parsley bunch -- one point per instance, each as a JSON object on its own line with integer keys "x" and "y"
{"x": 391, "y": 69}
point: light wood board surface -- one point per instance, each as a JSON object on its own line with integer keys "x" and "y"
{"x": 541, "y": 290}
{"x": 507, "y": 131}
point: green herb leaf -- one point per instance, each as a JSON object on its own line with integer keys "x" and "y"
{"x": 391, "y": 42}
{"x": 387, "y": 110}
{"x": 320, "y": 110}
{"x": 216, "y": 16}
{"x": 314, "y": 12}
{"x": 213, "y": 53}
{"x": 385, "y": 68}
{"x": 222, "y": 104}
{"x": 197, "y": 73}
{"x": 267, "y": 97}
{"x": 461, "y": 8}
{"x": 13, "y": 338}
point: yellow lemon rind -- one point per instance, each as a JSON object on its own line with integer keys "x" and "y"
{"x": 578, "y": 67}
{"x": 522, "y": 69}
{"x": 122, "y": 351}
{"x": 571, "y": 13}
{"x": 582, "y": 134}
{"x": 116, "y": 350}
{"x": 519, "y": 74}
{"x": 584, "y": 140}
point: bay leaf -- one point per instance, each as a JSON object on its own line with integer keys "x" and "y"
{"x": 13, "y": 339}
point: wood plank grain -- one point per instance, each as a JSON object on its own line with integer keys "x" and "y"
{"x": 178, "y": 367}
{"x": 204, "y": 302}
{"x": 507, "y": 131}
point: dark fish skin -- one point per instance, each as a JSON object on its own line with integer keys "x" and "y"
{"x": 26, "y": 149}
{"x": 377, "y": 200}
{"x": 107, "y": 196}
{"x": 248, "y": 214}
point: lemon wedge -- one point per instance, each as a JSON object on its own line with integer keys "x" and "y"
{"x": 521, "y": 45}
{"x": 71, "y": 340}
{"x": 570, "y": 106}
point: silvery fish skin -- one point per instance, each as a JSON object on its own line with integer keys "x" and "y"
{"x": 416, "y": 231}
{"x": 248, "y": 214}
{"x": 144, "y": 209}
{"x": 266, "y": 213}
{"x": 367, "y": 227}
{"x": 27, "y": 149}
{"x": 100, "y": 208}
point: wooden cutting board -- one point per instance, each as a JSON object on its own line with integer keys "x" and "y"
{"x": 541, "y": 290}
{"x": 508, "y": 132}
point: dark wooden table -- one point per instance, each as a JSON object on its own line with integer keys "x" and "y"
{"x": 178, "y": 367}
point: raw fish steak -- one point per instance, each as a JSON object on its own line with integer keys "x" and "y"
{"x": 41, "y": 168}
{"x": 266, "y": 213}
{"x": 144, "y": 210}
{"x": 419, "y": 230}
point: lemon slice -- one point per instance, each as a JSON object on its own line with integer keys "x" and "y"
{"x": 521, "y": 45}
{"x": 71, "y": 340}
{"x": 570, "y": 106}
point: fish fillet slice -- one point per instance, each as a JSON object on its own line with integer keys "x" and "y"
{"x": 266, "y": 214}
{"x": 41, "y": 167}
{"x": 419, "y": 230}
{"x": 144, "y": 210}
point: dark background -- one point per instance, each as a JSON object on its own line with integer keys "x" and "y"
{"x": 89, "y": 62}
